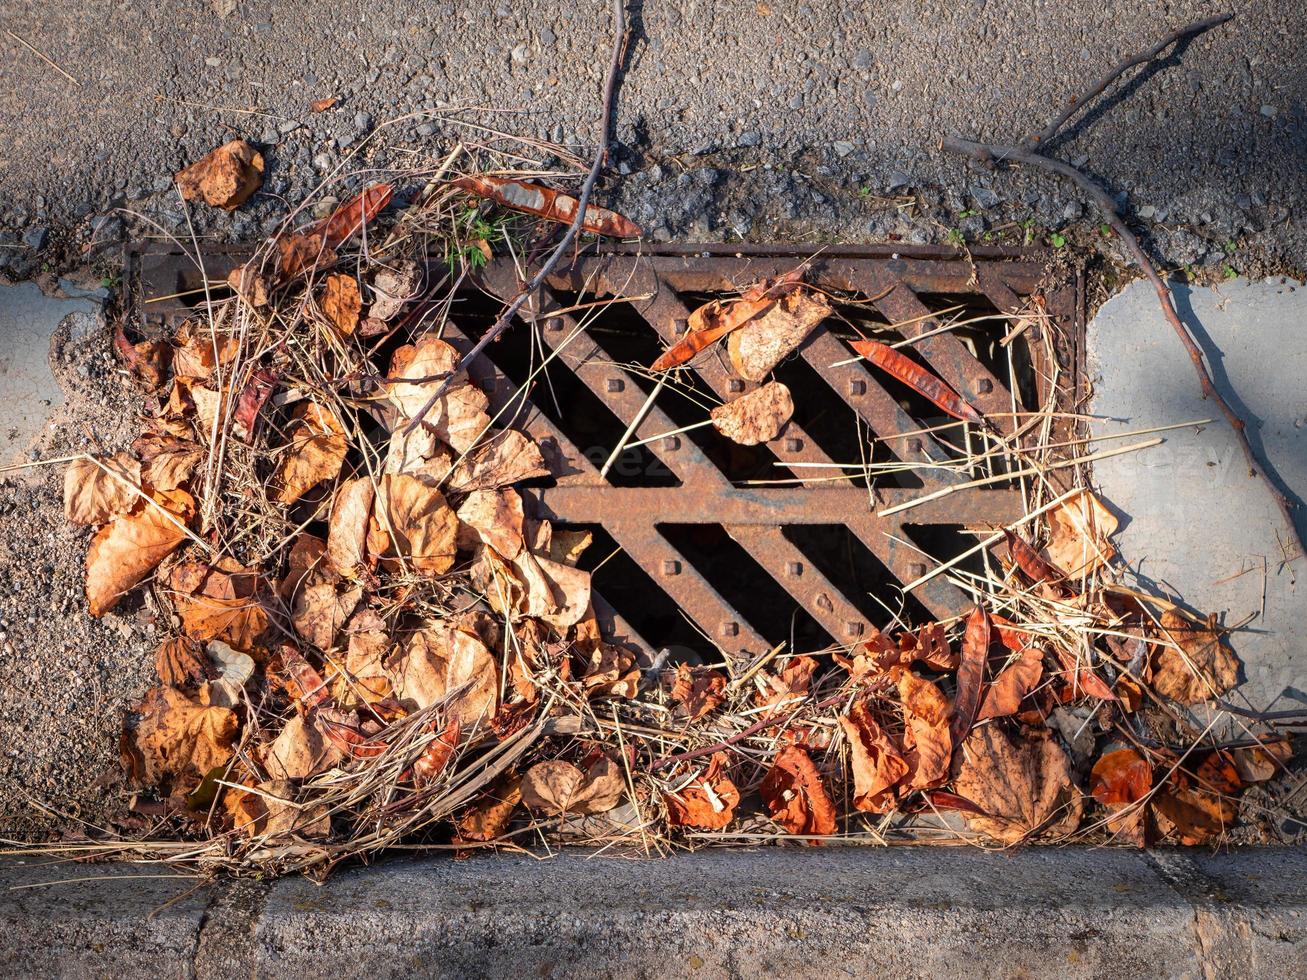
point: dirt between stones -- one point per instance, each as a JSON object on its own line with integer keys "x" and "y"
{"x": 66, "y": 678}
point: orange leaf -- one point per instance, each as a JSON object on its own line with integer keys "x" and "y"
{"x": 322, "y": 105}
{"x": 698, "y": 692}
{"x": 1120, "y": 778}
{"x": 927, "y": 742}
{"x": 708, "y": 802}
{"x": 1083, "y": 679}
{"x": 128, "y": 549}
{"x": 971, "y": 673}
{"x": 1010, "y": 687}
{"x": 876, "y": 762}
{"x": 917, "y": 378}
{"x": 795, "y": 796}
{"x": 223, "y": 178}
{"x": 359, "y": 210}
{"x": 519, "y": 195}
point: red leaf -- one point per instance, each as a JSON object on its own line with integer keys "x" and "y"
{"x": 1120, "y": 778}
{"x": 1084, "y": 680}
{"x": 1010, "y": 688}
{"x": 518, "y": 195}
{"x": 347, "y": 219}
{"x": 917, "y": 378}
{"x": 971, "y": 674}
{"x": 252, "y": 397}
{"x": 1028, "y": 560}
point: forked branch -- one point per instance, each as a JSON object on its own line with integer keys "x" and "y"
{"x": 991, "y": 154}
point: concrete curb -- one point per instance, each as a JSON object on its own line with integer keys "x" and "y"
{"x": 788, "y": 912}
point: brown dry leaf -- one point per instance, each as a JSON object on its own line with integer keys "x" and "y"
{"x": 315, "y": 452}
{"x": 756, "y": 417}
{"x": 224, "y": 177}
{"x": 494, "y": 518}
{"x": 698, "y": 692}
{"x": 708, "y": 802}
{"x": 1005, "y": 694}
{"x": 320, "y": 611}
{"x": 348, "y": 528}
{"x": 272, "y": 813}
{"x": 504, "y": 458}
{"x": 323, "y": 104}
{"x": 305, "y": 564}
{"x": 181, "y": 737}
{"x": 180, "y": 662}
{"x": 1256, "y": 764}
{"x": 1078, "y": 529}
{"x": 1205, "y": 669}
{"x": 556, "y": 787}
{"x": 611, "y": 672}
{"x": 450, "y": 666}
{"x": 393, "y": 288}
{"x": 567, "y": 545}
{"x": 927, "y": 743}
{"x": 783, "y": 690}
{"x": 1023, "y": 783}
{"x": 166, "y": 461}
{"x": 459, "y": 416}
{"x": 559, "y": 594}
{"x": 795, "y": 796}
{"x": 96, "y": 490}
{"x": 876, "y": 763}
{"x": 761, "y": 344}
{"x": 220, "y": 604}
{"x": 489, "y": 816}
{"x": 341, "y": 302}
{"x": 245, "y": 282}
{"x": 197, "y": 350}
{"x": 421, "y": 526}
{"x": 971, "y": 673}
{"x": 125, "y": 551}
{"x": 300, "y": 751}
{"x": 1189, "y": 813}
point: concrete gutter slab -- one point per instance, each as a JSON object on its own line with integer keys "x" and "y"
{"x": 1194, "y": 524}
{"x": 791, "y": 912}
{"x": 29, "y": 392}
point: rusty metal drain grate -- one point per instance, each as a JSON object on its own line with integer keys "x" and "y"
{"x": 694, "y": 547}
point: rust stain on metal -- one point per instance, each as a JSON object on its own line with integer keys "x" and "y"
{"x": 896, "y": 282}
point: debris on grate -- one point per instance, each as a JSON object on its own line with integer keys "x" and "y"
{"x": 804, "y": 539}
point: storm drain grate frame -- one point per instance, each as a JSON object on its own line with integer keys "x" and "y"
{"x": 652, "y": 523}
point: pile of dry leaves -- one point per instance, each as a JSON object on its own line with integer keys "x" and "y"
{"x": 370, "y": 642}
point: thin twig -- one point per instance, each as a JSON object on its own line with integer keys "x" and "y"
{"x": 44, "y": 58}
{"x": 991, "y": 153}
{"x": 583, "y": 201}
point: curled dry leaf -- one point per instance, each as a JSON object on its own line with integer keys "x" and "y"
{"x": 166, "y": 461}
{"x": 1203, "y": 667}
{"x": 1004, "y": 695}
{"x": 320, "y": 611}
{"x": 232, "y": 669}
{"x": 557, "y": 593}
{"x": 520, "y": 195}
{"x": 100, "y": 488}
{"x": 756, "y": 417}
{"x": 1120, "y": 777}
{"x": 273, "y": 815}
{"x": 1258, "y": 763}
{"x": 223, "y": 178}
{"x": 435, "y": 757}
{"x": 503, "y": 459}
{"x": 611, "y": 672}
{"x": 314, "y": 454}
{"x": 1023, "y": 783}
{"x": 249, "y": 403}
{"x": 449, "y": 667}
{"x": 875, "y": 760}
{"x": 488, "y": 818}
{"x": 341, "y": 302}
{"x": 927, "y": 743}
{"x": 459, "y": 417}
{"x": 971, "y": 673}
{"x": 556, "y": 787}
{"x": 494, "y": 518}
{"x": 1029, "y": 560}
{"x": 348, "y": 528}
{"x": 323, "y": 104}
{"x": 784, "y": 690}
{"x": 1197, "y": 808}
{"x": 251, "y": 287}
{"x": 128, "y": 549}
{"x": 145, "y": 360}
{"x": 421, "y": 526}
{"x": 180, "y": 662}
{"x": 762, "y": 343}
{"x": 794, "y": 795}
{"x": 181, "y": 737}
{"x": 393, "y": 287}
{"x": 220, "y": 604}
{"x": 708, "y": 801}
{"x": 300, "y": 751}
{"x": 1078, "y": 532}
{"x": 698, "y": 691}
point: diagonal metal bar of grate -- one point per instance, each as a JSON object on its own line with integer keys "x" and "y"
{"x": 786, "y": 509}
